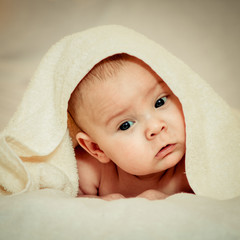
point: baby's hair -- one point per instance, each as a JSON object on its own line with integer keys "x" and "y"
{"x": 105, "y": 69}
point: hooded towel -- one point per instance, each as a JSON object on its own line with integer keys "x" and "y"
{"x": 36, "y": 150}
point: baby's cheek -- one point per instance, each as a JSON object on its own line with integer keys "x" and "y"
{"x": 135, "y": 154}
{"x": 133, "y": 150}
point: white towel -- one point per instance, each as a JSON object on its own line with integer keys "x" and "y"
{"x": 36, "y": 150}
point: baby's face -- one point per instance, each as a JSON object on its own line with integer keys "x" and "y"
{"x": 136, "y": 120}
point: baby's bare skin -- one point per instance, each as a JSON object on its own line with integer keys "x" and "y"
{"x": 133, "y": 136}
{"x": 109, "y": 182}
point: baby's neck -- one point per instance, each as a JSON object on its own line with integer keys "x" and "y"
{"x": 150, "y": 179}
{"x": 170, "y": 181}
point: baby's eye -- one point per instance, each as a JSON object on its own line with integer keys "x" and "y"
{"x": 126, "y": 125}
{"x": 160, "y": 102}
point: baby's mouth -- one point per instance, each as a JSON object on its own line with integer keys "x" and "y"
{"x": 164, "y": 151}
{"x": 164, "y": 147}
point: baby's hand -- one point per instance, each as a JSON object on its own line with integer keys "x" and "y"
{"x": 109, "y": 197}
{"x": 153, "y": 195}
{"x": 112, "y": 196}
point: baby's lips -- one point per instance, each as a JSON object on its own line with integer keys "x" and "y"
{"x": 161, "y": 148}
{"x": 164, "y": 147}
{"x": 164, "y": 151}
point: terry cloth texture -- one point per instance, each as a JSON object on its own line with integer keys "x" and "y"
{"x": 52, "y": 214}
{"x": 36, "y": 150}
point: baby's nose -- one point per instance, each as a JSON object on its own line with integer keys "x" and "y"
{"x": 154, "y": 127}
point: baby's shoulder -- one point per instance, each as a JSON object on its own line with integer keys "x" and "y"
{"x": 89, "y": 171}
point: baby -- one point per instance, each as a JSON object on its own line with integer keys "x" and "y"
{"x": 132, "y": 133}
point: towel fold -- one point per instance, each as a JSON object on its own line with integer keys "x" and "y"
{"x": 36, "y": 150}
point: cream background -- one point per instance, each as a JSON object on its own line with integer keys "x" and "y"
{"x": 205, "y": 34}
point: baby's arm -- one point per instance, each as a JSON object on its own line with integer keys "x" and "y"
{"x": 89, "y": 172}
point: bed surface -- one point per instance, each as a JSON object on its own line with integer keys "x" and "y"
{"x": 49, "y": 214}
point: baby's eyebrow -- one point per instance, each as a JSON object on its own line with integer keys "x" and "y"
{"x": 115, "y": 115}
{"x": 161, "y": 82}
{"x": 152, "y": 89}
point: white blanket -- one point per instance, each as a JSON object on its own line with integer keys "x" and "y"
{"x": 51, "y": 214}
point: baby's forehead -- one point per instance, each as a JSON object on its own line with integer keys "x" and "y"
{"x": 110, "y": 69}
{"x": 132, "y": 73}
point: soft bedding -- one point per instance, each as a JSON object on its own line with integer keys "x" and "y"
{"x": 51, "y": 214}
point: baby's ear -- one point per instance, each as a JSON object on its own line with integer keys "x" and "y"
{"x": 86, "y": 142}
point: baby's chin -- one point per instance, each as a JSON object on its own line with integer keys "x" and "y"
{"x": 158, "y": 174}
{"x": 171, "y": 161}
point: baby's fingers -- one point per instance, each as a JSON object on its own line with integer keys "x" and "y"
{"x": 113, "y": 196}
{"x": 153, "y": 195}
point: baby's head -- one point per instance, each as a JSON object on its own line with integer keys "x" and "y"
{"x": 127, "y": 114}
{"x": 102, "y": 71}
